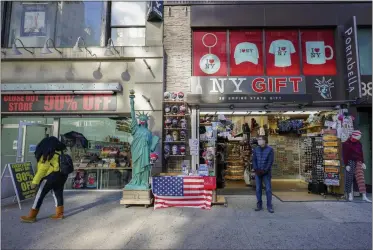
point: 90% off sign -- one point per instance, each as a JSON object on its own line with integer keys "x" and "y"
{"x": 60, "y": 102}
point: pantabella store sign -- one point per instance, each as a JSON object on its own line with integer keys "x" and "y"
{"x": 249, "y": 89}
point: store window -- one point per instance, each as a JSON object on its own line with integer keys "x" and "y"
{"x": 105, "y": 161}
{"x": 34, "y": 22}
{"x": 264, "y": 52}
{"x": 364, "y": 40}
{"x": 128, "y": 23}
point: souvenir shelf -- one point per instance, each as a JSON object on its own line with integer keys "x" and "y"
{"x": 332, "y": 160}
{"x": 235, "y": 162}
{"x": 175, "y": 132}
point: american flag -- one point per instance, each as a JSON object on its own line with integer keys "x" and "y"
{"x": 172, "y": 191}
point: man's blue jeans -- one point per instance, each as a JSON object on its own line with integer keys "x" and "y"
{"x": 259, "y": 185}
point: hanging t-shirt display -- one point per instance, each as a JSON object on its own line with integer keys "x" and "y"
{"x": 282, "y": 52}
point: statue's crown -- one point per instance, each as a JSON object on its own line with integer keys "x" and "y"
{"x": 142, "y": 116}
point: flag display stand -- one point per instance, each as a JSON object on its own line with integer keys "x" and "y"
{"x": 218, "y": 200}
{"x": 137, "y": 197}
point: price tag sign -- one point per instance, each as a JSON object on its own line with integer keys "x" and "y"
{"x": 22, "y": 175}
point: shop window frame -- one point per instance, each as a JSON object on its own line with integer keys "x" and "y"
{"x": 6, "y": 25}
{"x": 363, "y": 27}
{"x": 111, "y": 27}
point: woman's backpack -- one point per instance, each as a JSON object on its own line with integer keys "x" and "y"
{"x": 65, "y": 163}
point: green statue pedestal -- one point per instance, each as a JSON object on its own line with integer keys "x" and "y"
{"x": 137, "y": 197}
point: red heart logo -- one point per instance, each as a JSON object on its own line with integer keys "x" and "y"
{"x": 283, "y": 48}
{"x": 317, "y": 49}
{"x": 211, "y": 61}
{"x": 243, "y": 50}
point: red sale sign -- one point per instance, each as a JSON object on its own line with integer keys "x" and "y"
{"x": 246, "y": 53}
{"x": 209, "y": 53}
{"x": 318, "y": 52}
{"x": 58, "y": 103}
{"x": 282, "y": 48}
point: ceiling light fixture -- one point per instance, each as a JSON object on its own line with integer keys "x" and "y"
{"x": 110, "y": 45}
{"x": 240, "y": 112}
{"x": 46, "y": 50}
{"x": 258, "y": 113}
{"x": 15, "y": 50}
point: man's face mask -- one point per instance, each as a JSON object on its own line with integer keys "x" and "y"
{"x": 261, "y": 142}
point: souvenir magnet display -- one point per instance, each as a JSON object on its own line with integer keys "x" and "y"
{"x": 209, "y": 63}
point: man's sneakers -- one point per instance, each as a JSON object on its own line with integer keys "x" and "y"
{"x": 270, "y": 210}
{"x": 258, "y": 209}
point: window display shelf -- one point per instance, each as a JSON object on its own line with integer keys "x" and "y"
{"x": 175, "y": 141}
{"x": 181, "y": 102}
{"x": 101, "y": 168}
{"x": 175, "y": 129}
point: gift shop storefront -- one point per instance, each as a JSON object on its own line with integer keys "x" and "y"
{"x": 253, "y": 74}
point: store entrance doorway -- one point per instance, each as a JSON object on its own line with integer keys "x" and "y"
{"x": 236, "y": 133}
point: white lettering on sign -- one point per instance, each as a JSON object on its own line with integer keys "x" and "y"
{"x": 366, "y": 88}
{"x": 221, "y": 85}
{"x": 352, "y": 78}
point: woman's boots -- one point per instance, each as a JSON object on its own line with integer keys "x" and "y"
{"x": 31, "y": 217}
{"x": 59, "y": 213}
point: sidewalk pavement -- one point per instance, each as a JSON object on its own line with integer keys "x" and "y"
{"x": 95, "y": 220}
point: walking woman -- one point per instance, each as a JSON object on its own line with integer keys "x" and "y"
{"x": 48, "y": 177}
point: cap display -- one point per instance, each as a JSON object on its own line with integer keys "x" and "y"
{"x": 182, "y": 109}
{"x": 182, "y": 135}
{"x": 167, "y": 109}
{"x": 173, "y": 96}
{"x": 169, "y": 138}
{"x": 167, "y": 95}
{"x": 175, "y": 135}
{"x": 168, "y": 122}
{"x": 174, "y": 122}
{"x": 182, "y": 150}
{"x": 175, "y": 149}
{"x": 180, "y": 96}
{"x": 175, "y": 109}
{"x": 246, "y": 52}
{"x": 183, "y": 123}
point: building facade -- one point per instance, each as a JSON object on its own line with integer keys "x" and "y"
{"x": 206, "y": 49}
{"x": 91, "y": 53}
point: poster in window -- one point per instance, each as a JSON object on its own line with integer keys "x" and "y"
{"x": 246, "y": 53}
{"x": 282, "y": 49}
{"x": 209, "y": 53}
{"x": 33, "y": 20}
{"x": 318, "y": 52}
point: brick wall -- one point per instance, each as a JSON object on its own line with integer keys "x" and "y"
{"x": 178, "y": 48}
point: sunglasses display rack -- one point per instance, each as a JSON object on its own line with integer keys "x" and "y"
{"x": 306, "y": 159}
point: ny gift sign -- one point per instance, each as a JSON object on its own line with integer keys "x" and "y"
{"x": 248, "y": 85}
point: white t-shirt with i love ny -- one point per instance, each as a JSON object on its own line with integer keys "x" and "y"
{"x": 282, "y": 49}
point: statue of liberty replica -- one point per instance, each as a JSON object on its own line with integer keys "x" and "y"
{"x": 142, "y": 145}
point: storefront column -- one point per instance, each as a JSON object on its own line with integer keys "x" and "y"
{"x": 194, "y": 123}
{"x": 56, "y": 127}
